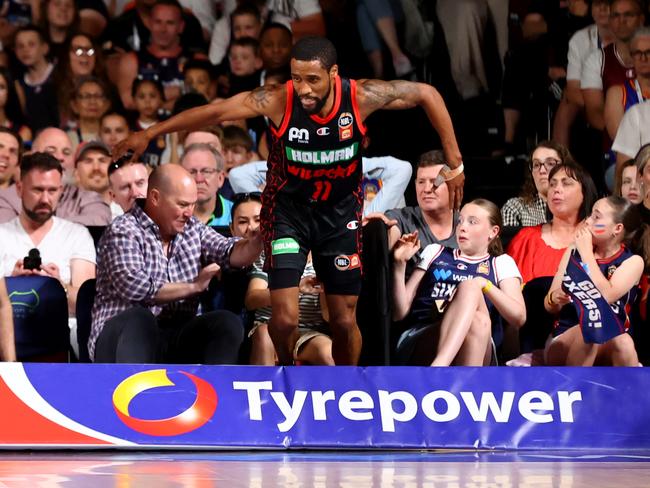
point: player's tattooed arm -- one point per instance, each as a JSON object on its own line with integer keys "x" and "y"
{"x": 392, "y": 95}
{"x": 268, "y": 100}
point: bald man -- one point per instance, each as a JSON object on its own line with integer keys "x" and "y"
{"x": 152, "y": 264}
{"x": 76, "y": 205}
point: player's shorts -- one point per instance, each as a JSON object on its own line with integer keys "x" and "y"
{"x": 331, "y": 232}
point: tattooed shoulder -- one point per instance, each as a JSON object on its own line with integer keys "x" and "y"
{"x": 261, "y": 97}
{"x": 378, "y": 93}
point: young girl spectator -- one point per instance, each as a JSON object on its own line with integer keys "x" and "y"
{"x": 113, "y": 128}
{"x": 628, "y": 183}
{"x": 614, "y": 270}
{"x": 11, "y": 115}
{"x": 148, "y": 97}
{"x": 89, "y": 104}
{"x": 460, "y": 285}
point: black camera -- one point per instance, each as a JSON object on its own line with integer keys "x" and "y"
{"x": 32, "y": 260}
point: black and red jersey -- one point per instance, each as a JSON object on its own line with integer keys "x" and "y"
{"x": 315, "y": 159}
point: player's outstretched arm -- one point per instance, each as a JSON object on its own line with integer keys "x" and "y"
{"x": 265, "y": 100}
{"x": 374, "y": 95}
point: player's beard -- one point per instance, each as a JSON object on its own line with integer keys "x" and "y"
{"x": 320, "y": 102}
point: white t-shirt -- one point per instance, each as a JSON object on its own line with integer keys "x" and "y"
{"x": 504, "y": 266}
{"x": 581, "y": 44}
{"x": 299, "y": 10}
{"x": 65, "y": 241}
{"x": 634, "y": 130}
{"x": 592, "y": 71}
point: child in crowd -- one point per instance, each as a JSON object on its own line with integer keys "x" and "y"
{"x": 448, "y": 298}
{"x": 245, "y": 65}
{"x": 36, "y": 91}
{"x": 113, "y": 128}
{"x": 199, "y": 78}
{"x": 148, "y": 97}
{"x": 628, "y": 182}
{"x": 615, "y": 272}
{"x": 237, "y": 147}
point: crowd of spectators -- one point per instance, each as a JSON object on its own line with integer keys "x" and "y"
{"x": 569, "y": 83}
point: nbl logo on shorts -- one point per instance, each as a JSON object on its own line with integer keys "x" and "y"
{"x": 344, "y": 263}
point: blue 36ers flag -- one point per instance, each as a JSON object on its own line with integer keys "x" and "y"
{"x": 596, "y": 317}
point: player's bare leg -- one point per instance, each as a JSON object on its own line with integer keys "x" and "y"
{"x": 283, "y": 326}
{"x": 346, "y": 338}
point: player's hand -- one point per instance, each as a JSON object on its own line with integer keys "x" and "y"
{"x": 378, "y": 216}
{"x": 205, "y": 276}
{"x": 137, "y": 142}
{"x": 455, "y": 186}
{"x": 406, "y": 247}
{"x": 310, "y": 285}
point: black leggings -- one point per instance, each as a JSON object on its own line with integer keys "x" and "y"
{"x": 137, "y": 336}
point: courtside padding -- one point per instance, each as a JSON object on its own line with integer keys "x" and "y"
{"x": 231, "y": 407}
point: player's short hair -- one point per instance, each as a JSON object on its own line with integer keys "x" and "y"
{"x": 315, "y": 48}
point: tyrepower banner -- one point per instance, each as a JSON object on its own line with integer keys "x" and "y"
{"x": 186, "y": 406}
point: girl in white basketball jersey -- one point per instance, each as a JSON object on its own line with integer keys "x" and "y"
{"x": 462, "y": 285}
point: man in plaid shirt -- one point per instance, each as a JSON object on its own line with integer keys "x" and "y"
{"x": 153, "y": 262}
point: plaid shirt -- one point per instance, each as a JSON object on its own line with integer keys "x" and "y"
{"x": 132, "y": 267}
{"x": 516, "y": 212}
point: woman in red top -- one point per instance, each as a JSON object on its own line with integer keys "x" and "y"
{"x": 538, "y": 250}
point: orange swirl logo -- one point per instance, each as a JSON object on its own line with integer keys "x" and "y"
{"x": 191, "y": 419}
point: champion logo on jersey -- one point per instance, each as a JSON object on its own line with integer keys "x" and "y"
{"x": 323, "y": 131}
{"x": 353, "y": 225}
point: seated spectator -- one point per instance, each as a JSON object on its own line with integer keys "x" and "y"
{"x": 619, "y": 98}
{"x": 75, "y": 204}
{"x": 10, "y": 152}
{"x": 91, "y": 168}
{"x": 198, "y": 77}
{"x": 628, "y": 183}
{"x": 148, "y": 98}
{"x": 89, "y": 103}
{"x": 453, "y": 313}
{"x": 67, "y": 249}
{"x": 82, "y": 59}
{"x": 237, "y": 147}
{"x": 530, "y": 207}
{"x": 7, "y": 345}
{"x": 244, "y": 21}
{"x": 615, "y": 272}
{"x": 537, "y": 250}
{"x": 37, "y": 92}
{"x": 314, "y": 345}
{"x": 153, "y": 263}
{"x": 276, "y": 41}
{"x": 245, "y": 64}
{"x": 304, "y": 18}
{"x": 126, "y": 183}
{"x": 13, "y": 15}
{"x": 632, "y": 133}
{"x": 432, "y": 218}
{"x": 207, "y": 168}
{"x": 11, "y": 113}
{"x": 113, "y": 128}
{"x": 642, "y": 158}
{"x": 58, "y": 19}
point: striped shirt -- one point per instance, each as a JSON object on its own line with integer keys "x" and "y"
{"x": 132, "y": 266}
{"x": 310, "y": 315}
{"x": 517, "y": 213}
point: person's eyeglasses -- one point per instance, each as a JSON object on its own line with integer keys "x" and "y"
{"x": 84, "y": 97}
{"x": 641, "y": 55}
{"x": 80, "y": 51}
{"x": 205, "y": 172}
{"x": 548, "y": 163}
{"x": 245, "y": 197}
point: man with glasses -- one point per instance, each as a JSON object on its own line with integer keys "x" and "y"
{"x": 207, "y": 167}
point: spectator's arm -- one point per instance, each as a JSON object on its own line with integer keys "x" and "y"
{"x": 395, "y": 176}
{"x": 248, "y": 177}
{"x": 594, "y": 107}
{"x": 7, "y": 345}
{"x": 509, "y": 301}
{"x": 510, "y": 214}
{"x": 92, "y": 211}
{"x": 80, "y": 271}
{"x": 628, "y": 138}
{"x": 574, "y": 93}
{"x": 258, "y": 294}
{"x": 127, "y": 72}
{"x": 614, "y": 109}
